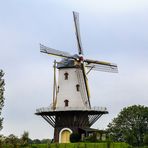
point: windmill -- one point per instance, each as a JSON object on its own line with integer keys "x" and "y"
{"x": 71, "y": 109}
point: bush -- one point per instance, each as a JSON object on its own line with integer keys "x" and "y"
{"x": 90, "y": 145}
{"x": 92, "y": 138}
{"x": 75, "y": 137}
{"x": 145, "y": 140}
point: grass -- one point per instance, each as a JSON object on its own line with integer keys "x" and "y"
{"x": 75, "y": 145}
{"x": 90, "y": 145}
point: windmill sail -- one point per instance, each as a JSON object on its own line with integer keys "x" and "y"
{"x": 86, "y": 83}
{"x": 101, "y": 66}
{"x": 55, "y": 52}
{"x": 77, "y": 29}
{"x": 83, "y": 90}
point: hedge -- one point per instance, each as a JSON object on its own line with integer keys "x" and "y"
{"x": 90, "y": 145}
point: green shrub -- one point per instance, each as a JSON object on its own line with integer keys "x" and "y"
{"x": 90, "y": 145}
{"x": 75, "y": 137}
{"x": 145, "y": 139}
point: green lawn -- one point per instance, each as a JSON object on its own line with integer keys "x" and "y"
{"x": 84, "y": 145}
{"x": 75, "y": 145}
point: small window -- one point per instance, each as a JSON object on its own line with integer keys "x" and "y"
{"x": 66, "y": 76}
{"x": 58, "y": 89}
{"x": 66, "y": 103}
{"x": 78, "y": 87}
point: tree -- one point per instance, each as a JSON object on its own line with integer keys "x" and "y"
{"x": 36, "y": 141}
{"x": 130, "y": 125}
{"x": 25, "y": 138}
{"x": 45, "y": 141}
{"x": 2, "y": 83}
{"x": 13, "y": 140}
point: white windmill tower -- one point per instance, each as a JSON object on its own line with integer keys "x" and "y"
{"x": 71, "y": 109}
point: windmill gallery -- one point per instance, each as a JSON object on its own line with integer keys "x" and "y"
{"x": 71, "y": 110}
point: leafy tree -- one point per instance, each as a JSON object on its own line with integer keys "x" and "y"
{"x": 1, "y": 96}
{"x": 12, "y": 141}
{"x": 45, "y": 141}
{"x": 130, "y": 125}
{"x": 36, "y": 141}
{"x": 25, "y": 138}
{"x": 30, "y": 141}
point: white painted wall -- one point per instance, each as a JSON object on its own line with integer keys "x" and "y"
{"x": 67, "y": 89}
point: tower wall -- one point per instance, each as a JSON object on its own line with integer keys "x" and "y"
{"x": 71, "y": 88}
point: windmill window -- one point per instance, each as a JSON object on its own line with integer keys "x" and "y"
{"x": 66, "y": 76}
{"x": 78, "y": 87}
{"x": 58, "y": 89}
{"x": 66, "y": 103}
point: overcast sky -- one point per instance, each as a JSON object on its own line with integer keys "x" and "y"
{"x": 111, "y": 30}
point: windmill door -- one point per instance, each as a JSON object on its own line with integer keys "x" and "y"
{"x": 65, "y": 136}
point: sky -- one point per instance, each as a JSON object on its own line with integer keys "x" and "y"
{"x": 111, "y": 30}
